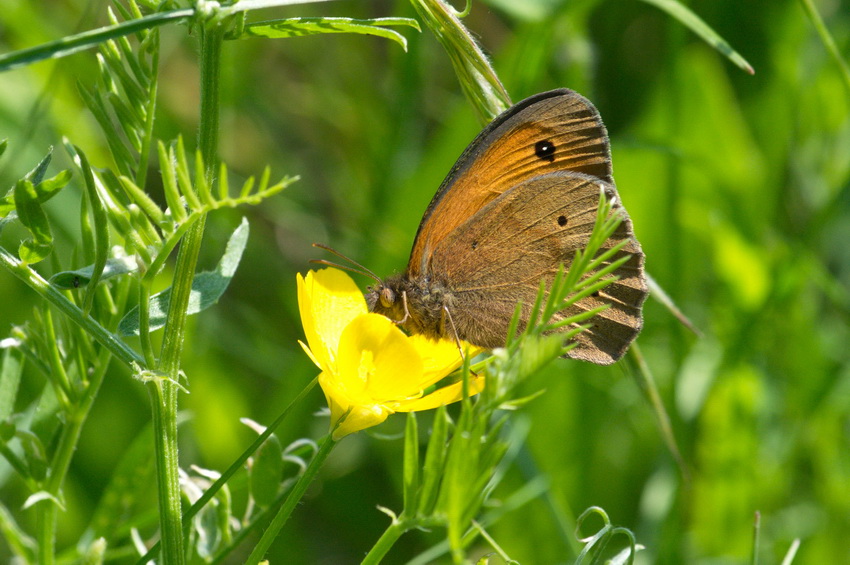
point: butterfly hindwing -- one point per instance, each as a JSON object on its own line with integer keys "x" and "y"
{"x": 499, "y": 255}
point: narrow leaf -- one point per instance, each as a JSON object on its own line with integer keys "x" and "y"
{"x": 435, "y": 459}
{"x": 207, "y": 287}
{"x": 411, "y": 463}
{"x": 80, "y": 278}
{"x": 39, "y": 496}
{"x": 74, "y": 43}
{"x": 169, "y": 183}
{"x": 297, "y": 27}
{"x": 101, "y": 229}
{"x": 693, "y": 22}
{"x": 10, "y": 380}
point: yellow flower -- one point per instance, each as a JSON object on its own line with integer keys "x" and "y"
{"x": 370, "y": 368}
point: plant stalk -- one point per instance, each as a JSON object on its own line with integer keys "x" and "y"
{"x": 164, "y": 392}
{"x": 291, "y": 501}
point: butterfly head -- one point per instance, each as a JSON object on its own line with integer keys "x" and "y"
{"x": 386, "y": 298}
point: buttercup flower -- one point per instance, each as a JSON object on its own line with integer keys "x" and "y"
{"x": 370, "y": 368}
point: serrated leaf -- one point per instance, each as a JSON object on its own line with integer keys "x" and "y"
{"x": 297, "y": 27}
{"x": 207, "y": 287}
{"x": 80, "y": 278}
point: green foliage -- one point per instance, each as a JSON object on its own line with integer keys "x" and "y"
{"x": 297, "y": 27}
{"x": 737, "y": 186}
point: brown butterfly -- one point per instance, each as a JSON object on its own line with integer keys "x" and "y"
{"x": 518, "y": 203}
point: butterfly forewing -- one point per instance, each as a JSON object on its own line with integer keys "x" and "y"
{"x": 553, "y": 131}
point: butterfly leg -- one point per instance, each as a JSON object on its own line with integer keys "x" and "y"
{"x": 454, "y": 330}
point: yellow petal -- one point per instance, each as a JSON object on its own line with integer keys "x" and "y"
{"x": 309, "y": 353}
{"x": 445, "y": 395}
{"x": 440, "y": 357}
{"x": 377, "y": 360}
{"x": 355, "y": 414}
{"x": 328, "y": 300}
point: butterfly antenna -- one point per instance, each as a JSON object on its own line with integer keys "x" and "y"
{"x": 357, "y": 268}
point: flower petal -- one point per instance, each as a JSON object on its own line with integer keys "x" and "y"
{"x": 445, "y": 395}
{"x": 440, "y": 357}
{"x": 355, "y": 416}
{"x": 328, "y": 300}
{"x": 377, "y": 360}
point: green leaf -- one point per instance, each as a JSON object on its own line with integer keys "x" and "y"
{"x": 17, "y": 539}
{"x": 87, "y": 39}
{"x": 45, "y": 189}
{"x": 101, "y": 229}
{"x": 80, "y": 278}
{"x": 32, "y": 216}
{"x": 411, "y": 463}
{"x": 297, "y": 27}
{"x": 266, "y": 473}
{"x": 10, "y": 380}
{"x": 693, "y": 22}
{"x": 37, "y": 174}
{"x": 477, "y": 78}
{"x": 435, "y": 458}
{"x": 207, "y": 287}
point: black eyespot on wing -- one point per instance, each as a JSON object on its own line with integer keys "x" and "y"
{"x": 562, "y": 221}
{"x": 475, "y": 245}
{"x": 545, "y": 150}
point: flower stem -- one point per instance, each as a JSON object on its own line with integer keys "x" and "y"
{"x": 75, "y": 417}
{"x": 385, "y": 543}
{"x": 289, "y": 504}
{"x": 395, "y": 530}
{"x": 164, "y": 392}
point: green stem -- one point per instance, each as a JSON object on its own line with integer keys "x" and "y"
{"x": 827, "y": 40}
{"x": 55, "y": 296}
{"x": 289, "y": 505}
{"x": 163, "y": 395}
{"x": 236, "y": 465}
{"x": 385, "y": 542}
{"x": 61, "y": 383}
{"x": 74, "y": 420}
{"x": 164, "y": 392}
{"x": 394, "y": 531}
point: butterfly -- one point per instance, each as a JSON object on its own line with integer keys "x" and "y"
{"x": 519, "y": 202}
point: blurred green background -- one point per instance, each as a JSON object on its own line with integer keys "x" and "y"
{"x": 739, "y": 189}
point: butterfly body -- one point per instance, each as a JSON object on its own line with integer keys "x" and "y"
{"x": 518, "y": 204}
